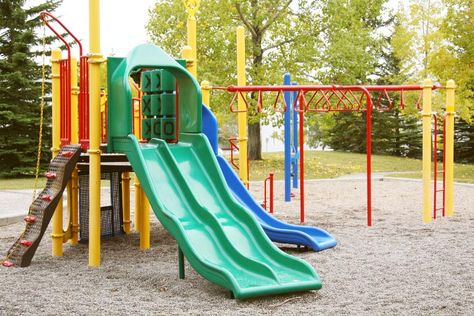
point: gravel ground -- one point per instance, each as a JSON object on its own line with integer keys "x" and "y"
{"x": 398, "y": 266}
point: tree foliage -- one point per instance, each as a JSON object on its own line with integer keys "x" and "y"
{"x": 341, "y": 42}
{"x": 20, "y": 87}
{"x": 441, "y": 32}
{"x": 351, "y": 53}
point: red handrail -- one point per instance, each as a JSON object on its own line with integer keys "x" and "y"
{"x": 65, "y": 100}
{"x": 234, "y": 147}
{"x": 270, "y": 180}
{"x": 66, "y": 88}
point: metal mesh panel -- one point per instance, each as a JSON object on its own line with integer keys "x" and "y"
{"x": 110, "y": 215}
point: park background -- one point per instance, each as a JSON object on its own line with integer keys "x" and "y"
{"x": 317, "y": 42}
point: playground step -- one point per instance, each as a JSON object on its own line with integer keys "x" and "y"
{"x": 43, "y": 207}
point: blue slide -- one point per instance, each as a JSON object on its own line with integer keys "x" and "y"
{"x": 278, "y": 231}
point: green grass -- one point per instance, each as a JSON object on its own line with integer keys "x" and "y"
{"x": 21, "y": 183}
{"x": 29, "y": 183}
{"x": 327, "y": 164}
{"x": 318, "y": 165}
{"x": 462, "y": 173}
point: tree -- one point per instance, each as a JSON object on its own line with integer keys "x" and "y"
{"x": 282, "y": 37}
{"x": 445, "y": 29}
{"x": 20, "y": 86}
{"x": 350, "y": 54}
{"x": 463, "y": 140}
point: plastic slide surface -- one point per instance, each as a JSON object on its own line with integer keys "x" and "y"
{"x": 220, "y": 239}
{"x": 278, "y": 231}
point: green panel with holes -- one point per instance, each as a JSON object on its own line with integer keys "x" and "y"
{"x": 146, "y": 128}
{"x": 156, "y": 128}
{"x": 168, "y": 128}
{"x": 155, "y": 104}
{"x": 146, "y": 81}
{"x": 146, "y": 105}
{"x": 162, "y": 81}
{"x": 168, "y": 104}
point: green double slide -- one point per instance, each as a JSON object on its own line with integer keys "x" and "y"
{"x": 221, "y": 240}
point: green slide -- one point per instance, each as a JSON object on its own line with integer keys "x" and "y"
{"x": 222, "y": 241}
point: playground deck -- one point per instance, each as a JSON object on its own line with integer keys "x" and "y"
{"x": 399, "y": 266}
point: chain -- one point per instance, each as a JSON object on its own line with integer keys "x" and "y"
{"x": 40, "y": 137}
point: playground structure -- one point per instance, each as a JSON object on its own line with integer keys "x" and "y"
{"x": 192, "y": 190}
{"x": 176, "y": 168}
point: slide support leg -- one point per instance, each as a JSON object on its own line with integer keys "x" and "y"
{"x": 181, "y": 263}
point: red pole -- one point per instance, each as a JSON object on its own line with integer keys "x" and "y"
{"x": 435, "y": 162}
{"x": 265, "y": 193}
{"x": 369, "y": 157}
{"x": 271, "y": 192}
{"x": 301, "y": 141}
{"x": 68, "y": 105}
{"x": 444, "y": 165}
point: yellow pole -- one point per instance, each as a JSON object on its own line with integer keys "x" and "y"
{"x": 449, "y": 150}
{"x": 186, "y": 53}
{"x": 191, "y": 8}
{"x": 126, "y": 201}
{"x": 138, "y": 204}
{"x": 136, "y": 120}
{"x": 95, "y": 59}
{"x": 73, "y": 194}
{"x": 206, "y": 93}
{"x": 145, "y": 221}
{"x": 427, "y": 86}
{"x": 57, "y": 233}
{"x": 136, "y": 182}
{"x": 242, "y": 115}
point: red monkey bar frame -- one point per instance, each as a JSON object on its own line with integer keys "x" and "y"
{"x": 331, "y": 98}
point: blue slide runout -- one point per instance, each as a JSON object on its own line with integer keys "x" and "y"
{"x": 278, "y": 231}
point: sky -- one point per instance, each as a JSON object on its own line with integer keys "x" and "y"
{"x": 122, "y": 23}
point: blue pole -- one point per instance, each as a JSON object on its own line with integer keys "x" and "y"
{"x": 296, "y": 154}
{"x": 287, "y": 136}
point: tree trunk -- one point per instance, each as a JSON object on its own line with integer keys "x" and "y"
{"x": 254, "y": 142}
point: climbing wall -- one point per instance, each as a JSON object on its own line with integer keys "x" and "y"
{"x": 43, "y": 207}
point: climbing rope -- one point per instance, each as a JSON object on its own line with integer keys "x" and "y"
{"x": 40, "y": 136}
{"x": 30, "y": 219}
